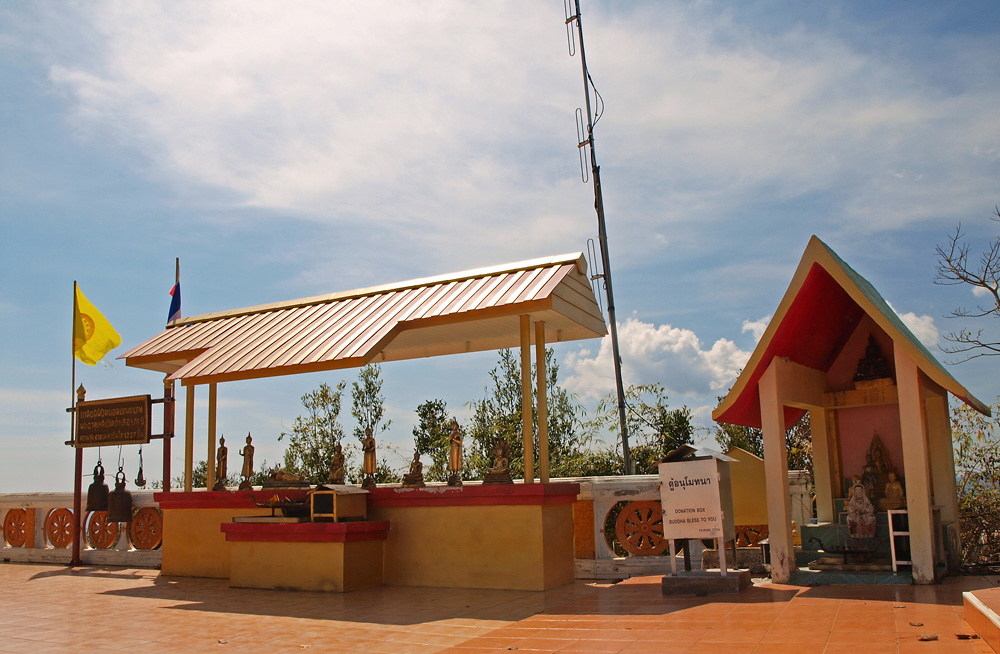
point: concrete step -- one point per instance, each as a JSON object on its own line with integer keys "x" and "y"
{"x": 981, "y": 612}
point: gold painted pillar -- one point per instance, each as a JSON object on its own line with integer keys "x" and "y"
{"x": 542, "y": 400}
{"x": 212, "y": 397}
{"x": 942, "y": 454}
{"x": 772, "y": 417}
{"x": 916, "y": 467}
{"x": 169, "y": 420}
{"x": 823, "y": 457}
{"x": 188, "y": 437}
{"x": 526, "y": 433}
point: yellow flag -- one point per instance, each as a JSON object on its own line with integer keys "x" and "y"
{"x": 93, "y": 335}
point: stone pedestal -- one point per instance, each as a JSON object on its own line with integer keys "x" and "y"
{"x": 706, "y": 582}
{"x": 336, "y": 557}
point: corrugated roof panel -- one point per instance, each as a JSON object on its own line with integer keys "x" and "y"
{"x": 276, "y": 329}
{"x": 347, "y": 346}
{"x": 553, "y": 278}
{"x": 444, "y": 295}
{"x": 460, "y": 299}
{"x": 242, "y": 329}
{"x": 324, "y": 335}
{"x": 421, "y": 304}
{"x": 519, "y": 292}
{"x": 299, "y": 323}
{"x": 495, "y": 298}
{"x": 363, "y": 324}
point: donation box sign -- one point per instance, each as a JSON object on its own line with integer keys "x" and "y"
{"x": 696, "y": 498}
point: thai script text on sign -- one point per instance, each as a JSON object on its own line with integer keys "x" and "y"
{"x": 115, "y": 421}
{"x": 689, "y": 493}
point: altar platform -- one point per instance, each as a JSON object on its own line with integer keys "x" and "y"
{"x": 506, "y": 537}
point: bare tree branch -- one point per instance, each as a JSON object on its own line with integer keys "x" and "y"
{"x": 953, "y": 268}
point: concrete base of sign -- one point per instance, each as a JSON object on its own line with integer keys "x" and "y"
{"x": 705, "y": 582}
{"x": 751, "y": 558}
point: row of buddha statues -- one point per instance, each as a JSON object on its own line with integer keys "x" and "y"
{"x": 498, "y": 473}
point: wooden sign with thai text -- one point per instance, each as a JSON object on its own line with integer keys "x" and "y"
{"x": 115, "y": 421}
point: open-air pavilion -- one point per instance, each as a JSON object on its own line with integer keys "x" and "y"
{"x": 400, "y": 540}
{"x": 809, "y": 360}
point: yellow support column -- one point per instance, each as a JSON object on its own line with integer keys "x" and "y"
{"x": 772, "y": 418}
{"x": 526, "y": 433}
{"x": 543, "y": 403}
{"x": 823, "y": 457}
{"x": 212, "y": 396}
{"x": 188, "y": 438}
{"x": 917, "y": 468}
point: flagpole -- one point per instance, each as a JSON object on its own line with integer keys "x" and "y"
{"x": 78, "y": 452}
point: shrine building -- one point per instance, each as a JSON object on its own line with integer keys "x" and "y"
{"x": 877, "y": 401}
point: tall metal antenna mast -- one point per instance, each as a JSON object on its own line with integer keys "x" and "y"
{"x": 586, "y": 141}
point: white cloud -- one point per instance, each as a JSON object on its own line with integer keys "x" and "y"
{"x": 669, "y": 355}
{"x": 426, "y": 117}
{"x": 923, "y": 327}
{"x": 757, "y": 327}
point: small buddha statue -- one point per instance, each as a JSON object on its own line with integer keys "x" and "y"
{"x": 895, "y": 497}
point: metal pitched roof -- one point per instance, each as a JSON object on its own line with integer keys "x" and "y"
{"x": 464, "y": 312}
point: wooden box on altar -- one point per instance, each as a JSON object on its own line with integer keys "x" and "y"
{"x": 338, "y": 503}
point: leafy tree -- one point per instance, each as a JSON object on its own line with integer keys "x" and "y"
{"x": 431, "y": 436}
{"x": 368, "y": 409}
{"x": 313, "y": 437}
{"x": 976, "y": 440}
{"x": 798, "y": 441}
{"x": 566, "y": 438}
{"x": 729, "y": 436}
{"x": 955, "y": 268}
{"x": 656, "y": 428}
{"x": 499, "y": 415}
{"x": 368, "y": 402}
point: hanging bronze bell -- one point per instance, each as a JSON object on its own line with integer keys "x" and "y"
{"x": 97, "y": 494}
{"x": 140, "y": 481}
{"x": 120, "y": 501}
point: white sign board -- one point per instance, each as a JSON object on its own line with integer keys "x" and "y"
{"x": 691, "y": 498}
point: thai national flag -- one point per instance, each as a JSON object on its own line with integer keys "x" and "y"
{"x": 175, "y": 303}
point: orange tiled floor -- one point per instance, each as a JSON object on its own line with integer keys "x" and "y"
{"x": 54, "y": 609}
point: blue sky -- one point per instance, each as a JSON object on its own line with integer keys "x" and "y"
{"x": 283, "y": 151}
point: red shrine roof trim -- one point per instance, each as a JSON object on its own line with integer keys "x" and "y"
{"x": 468, "y": 311}
{"x": 824, "y": 303}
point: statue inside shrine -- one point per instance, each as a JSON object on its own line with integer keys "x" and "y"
{"x": 415, "y": 477}
{"x": 247, "y": 472}
{"x": 455, "y": 455}
{"x": 369, "y": 465}
{"x": 873, "y": 365}
{"x": 860, "y": 513}
{"x": 895, "y": 496}
{"x": 337, "y": 465}
{"x": 869, "y": 478}
{"x": 221, "y": 465}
